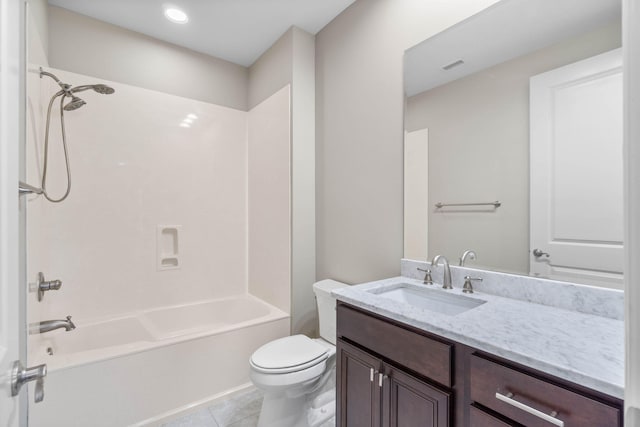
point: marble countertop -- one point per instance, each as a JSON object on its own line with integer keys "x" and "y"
{"x": 582, "y": 348}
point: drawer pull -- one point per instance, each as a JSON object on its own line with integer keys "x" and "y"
{"x": 548, "y": 418}
{"x": 381, "y": 378}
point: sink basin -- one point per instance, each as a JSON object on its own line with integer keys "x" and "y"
{"x": 432, "y": 300}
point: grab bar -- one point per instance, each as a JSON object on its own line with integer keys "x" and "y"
{"x": 495, "y": 204}
{"x": 24, "y": 188}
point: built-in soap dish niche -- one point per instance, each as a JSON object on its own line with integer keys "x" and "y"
{"x": 168, "y": 247}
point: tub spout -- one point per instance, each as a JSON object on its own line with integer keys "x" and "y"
{"x": 50, "y": 325}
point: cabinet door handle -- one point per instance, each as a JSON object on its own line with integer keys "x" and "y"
{"x": 508, "y": 399}
{"x": 381, "y": 378}
{"x": 372, "y": 373}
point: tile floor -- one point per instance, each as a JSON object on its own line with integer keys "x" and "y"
{"x": 241, "y": 410}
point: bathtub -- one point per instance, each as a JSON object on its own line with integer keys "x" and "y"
{"x": 145, "y": 367}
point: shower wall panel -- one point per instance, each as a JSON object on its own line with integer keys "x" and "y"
{"x": 269, "y": 213}
{"x": 139, "y": 159}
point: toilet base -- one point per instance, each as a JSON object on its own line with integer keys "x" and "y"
{"x": 311, "y": 405}
{"x": 280, "y": 410}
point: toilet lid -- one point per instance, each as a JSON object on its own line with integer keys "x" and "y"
{"x": 288, "y": 354}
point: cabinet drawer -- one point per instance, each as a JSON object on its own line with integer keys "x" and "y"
{"x": 479, "y": 418}
{"x": 511, "y": 392}
{"x": 421, "y": 354}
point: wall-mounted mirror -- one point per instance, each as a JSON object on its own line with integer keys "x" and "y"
{"x": 521, "y": 105}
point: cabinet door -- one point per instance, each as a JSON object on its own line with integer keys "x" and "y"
{"x": 358, "y": 403}
{"x": 409, "y": 402}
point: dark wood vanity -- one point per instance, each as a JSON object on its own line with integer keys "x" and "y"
{"x": 391, "y": 374}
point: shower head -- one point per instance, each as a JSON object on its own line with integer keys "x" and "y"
{"x": 103, "y": 89}
{"x": 74, "y": 104}
{"x": 100, "y": 88}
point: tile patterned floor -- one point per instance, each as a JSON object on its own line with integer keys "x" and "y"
{"x": 241, "y": 410}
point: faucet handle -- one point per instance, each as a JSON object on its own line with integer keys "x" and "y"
{"x": 467, "y": 288}
{"x": 42, "y": 285}
{"x": 38, "y": 395}
{"x": 428, "y": 280}
{"x": 21, "y": 375}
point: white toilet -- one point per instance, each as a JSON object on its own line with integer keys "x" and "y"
{"x": 297, "y": 373}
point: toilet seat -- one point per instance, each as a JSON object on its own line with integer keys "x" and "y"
{"x": 288, "y": 354}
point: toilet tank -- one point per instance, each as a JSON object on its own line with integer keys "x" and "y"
{"x": 327, "y": 308}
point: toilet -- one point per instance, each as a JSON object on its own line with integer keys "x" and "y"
{"x": 297, "y": 373}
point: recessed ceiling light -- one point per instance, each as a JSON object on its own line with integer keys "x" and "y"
{"x": 176, "y": 15}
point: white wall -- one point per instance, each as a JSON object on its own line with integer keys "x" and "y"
{"x": 479, "y": 151}
{"x": 91, "y": 47}
{"x": 360, "y": 131}
{"x": 133, "y": 168}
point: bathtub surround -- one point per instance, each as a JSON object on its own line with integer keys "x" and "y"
{"x": 269, "y": 204}
{"x": 140, "y": 169}
{"x": 290, "y": 61}
{"x": 131, "y": 163}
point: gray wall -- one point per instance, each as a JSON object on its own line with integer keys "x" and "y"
{"x": 37, "y": 32}
{"x": 291, "y": 60}
{"x": 272, "y": 70}
{"x": 87, "y": 46}
{"x": 359, "y": 122}
{"x": 479, "y": 151}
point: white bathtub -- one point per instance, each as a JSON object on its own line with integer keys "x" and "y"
{"x": 141, "y": 368}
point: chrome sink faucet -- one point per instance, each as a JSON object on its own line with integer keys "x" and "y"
{"x": 467, "y": 254}
{"x": 50, "y": 325}
{"x": 446, "y": 281}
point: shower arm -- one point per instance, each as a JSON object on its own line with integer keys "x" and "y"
{"x": 66, "y": 88}
{"x": 45, "y": 73}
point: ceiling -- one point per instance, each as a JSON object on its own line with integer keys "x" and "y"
{"x": 506, "y": 30}
{"x": 238, "y": 31}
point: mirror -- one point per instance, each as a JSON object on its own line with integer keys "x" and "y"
{"x": 499, "y": 108}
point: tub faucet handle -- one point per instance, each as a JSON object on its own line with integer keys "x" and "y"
{"x": 46, "y": 285}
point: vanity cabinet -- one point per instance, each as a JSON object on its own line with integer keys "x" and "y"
{"x": 378, "y": 390}
{"x": 375, "y": 393}
{"x": 391, "y": 374}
